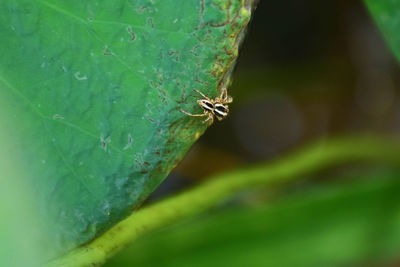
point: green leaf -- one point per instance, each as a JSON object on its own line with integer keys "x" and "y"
{"x": 314, "y": 158}
{"x": 20, "y": 242}
{"x": 349, "y": 224}
{"x": 92, "y": 92}
{"x": 386, "y": 15}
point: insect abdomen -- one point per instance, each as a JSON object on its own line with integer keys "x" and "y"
{"x": 206, "y": 105}
{"x": 220, "y": 111}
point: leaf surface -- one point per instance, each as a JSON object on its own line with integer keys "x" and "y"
{"x": 92, "y": 92}
{"x": 386, "y": 15}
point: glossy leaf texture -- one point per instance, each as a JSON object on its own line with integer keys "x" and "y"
{"x": 92, "y": 93}
{"x": 386, "y": 15}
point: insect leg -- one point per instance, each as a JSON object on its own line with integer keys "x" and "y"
{"x": 203, "y": 95}
{"x": 228, "y": 100}
{"x": 224, "y": 93}
{"x": 210, "y": 118}
{"x": 224, "y": 97}
{"x": 193, "y": 115}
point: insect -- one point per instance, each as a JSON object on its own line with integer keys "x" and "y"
{"x": 217, "y": 107}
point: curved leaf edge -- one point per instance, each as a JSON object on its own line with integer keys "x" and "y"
{"x": 320, "y": 155}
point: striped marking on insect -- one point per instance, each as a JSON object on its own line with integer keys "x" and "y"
{"x": 217, "y": 107}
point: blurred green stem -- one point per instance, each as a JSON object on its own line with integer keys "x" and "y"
{"x": 321, "y": 155}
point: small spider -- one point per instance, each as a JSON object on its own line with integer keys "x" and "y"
{"x": 217, "y": 107}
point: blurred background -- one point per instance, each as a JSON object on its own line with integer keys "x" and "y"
{"x": 308, "y": 70}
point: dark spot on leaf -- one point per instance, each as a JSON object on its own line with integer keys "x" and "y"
{"x": 106, "y": 52}
{"x": 133, "y": 35}
{"x": 150, "y": 22}
{"x": 172, "y": 125}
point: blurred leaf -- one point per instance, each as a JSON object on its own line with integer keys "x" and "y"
{"x": 94, "y": 90}
{"x": 386, "y": 15}
{"x": 316, "y": 157}
{"x": 20, "y": 235}
{"x": 337, "y": 225}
